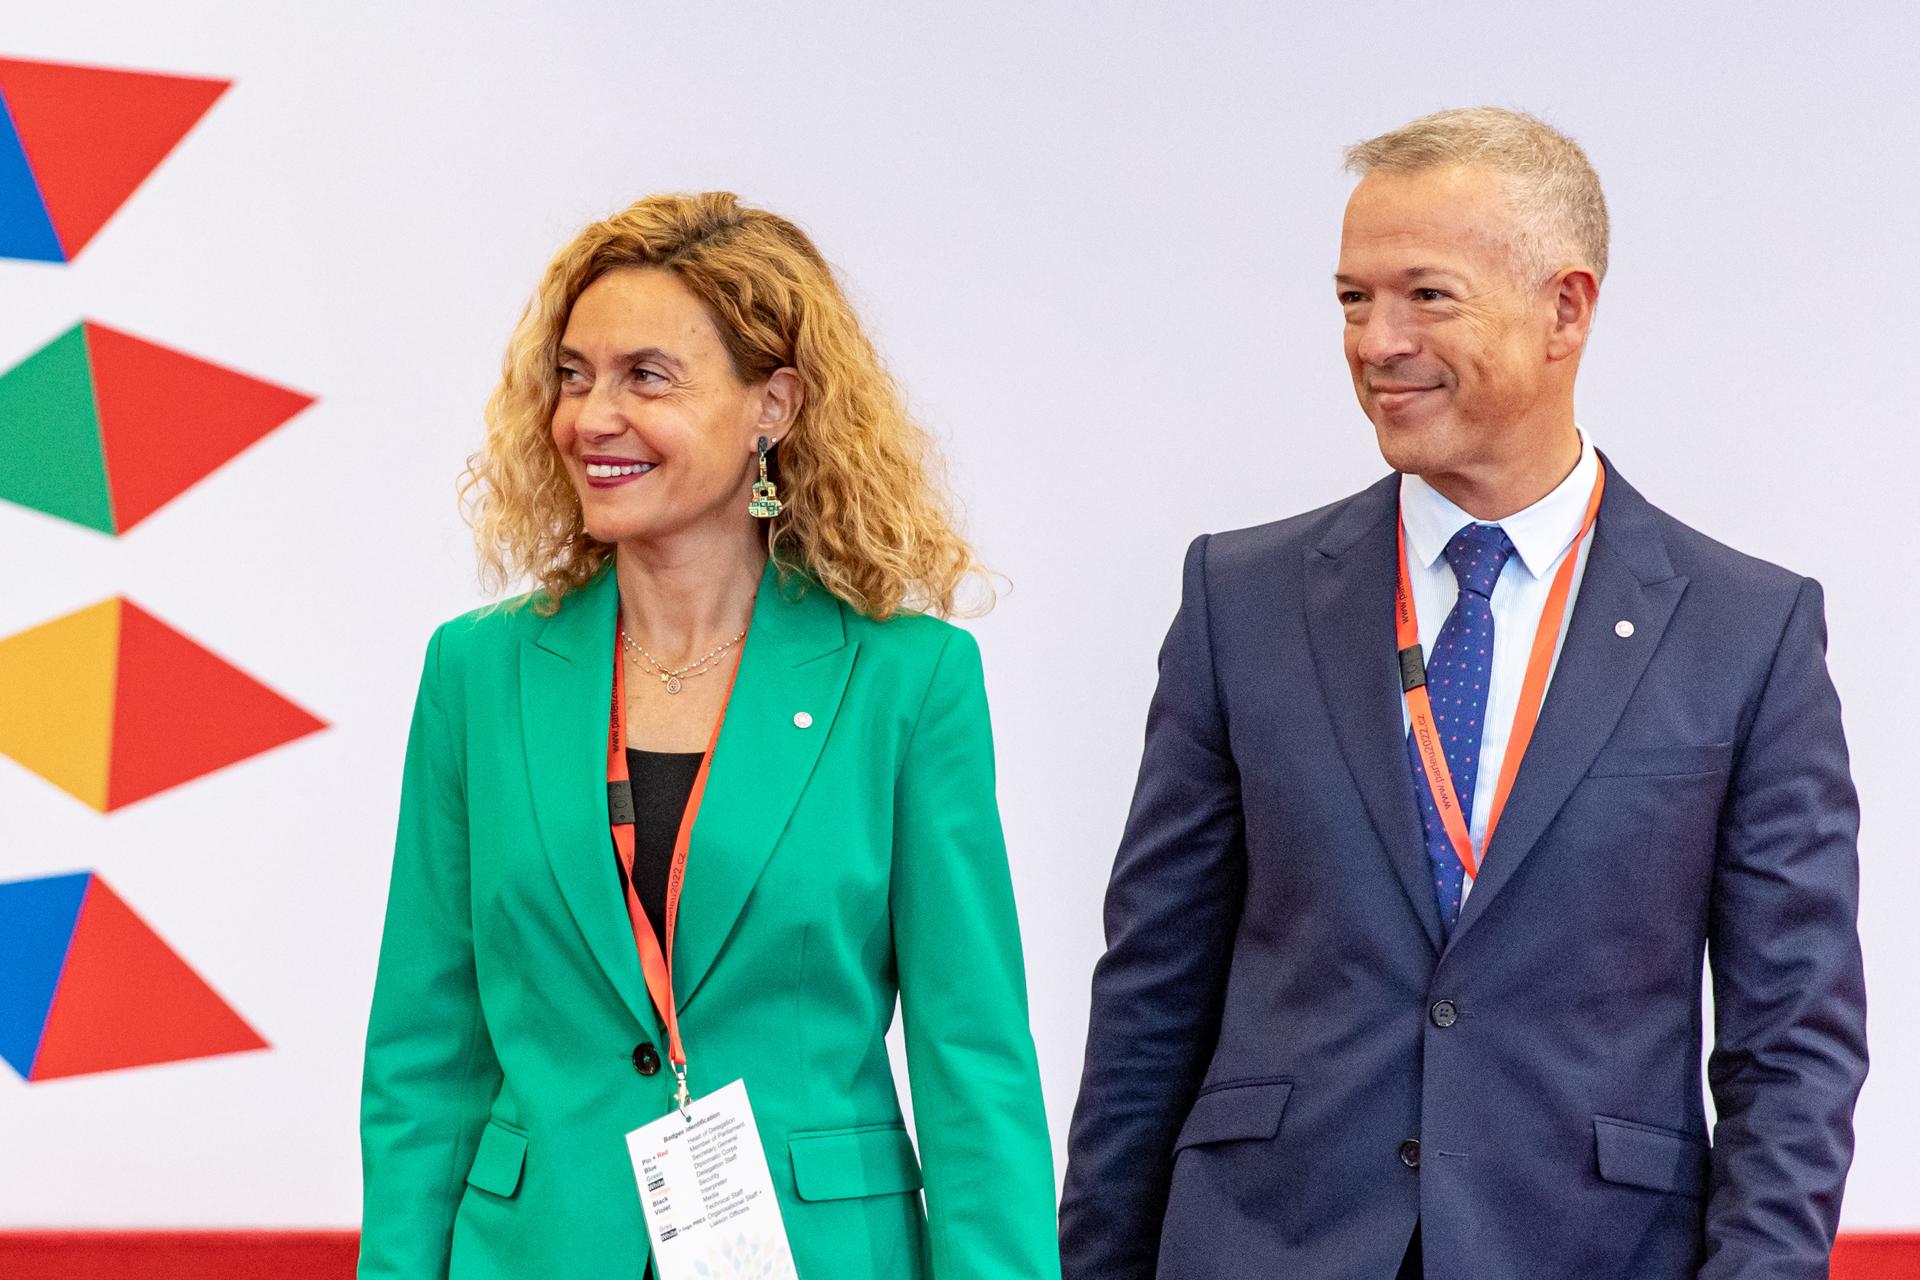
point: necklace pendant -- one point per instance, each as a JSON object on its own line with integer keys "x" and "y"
{"x": 673, "y": 684}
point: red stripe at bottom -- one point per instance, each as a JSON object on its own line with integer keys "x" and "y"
{"x": 331, "y": 1255}
{"x": 1877, "y": 1255}
{"x": 178, "y": 1255}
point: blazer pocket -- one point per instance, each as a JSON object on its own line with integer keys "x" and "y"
{"x": 1235, "y": 1112}
{"x": 840, "y": 1164}
{"x": 1641, "y": 1155}
{"x": 1653, "y": 762}
{"x": 499, "y": 1159}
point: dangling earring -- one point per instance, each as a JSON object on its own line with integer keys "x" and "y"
{"x": 766, "y": 503}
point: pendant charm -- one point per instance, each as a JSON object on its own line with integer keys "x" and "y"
{"x": 672, "y": 683}
{"x": 766, "y": 503}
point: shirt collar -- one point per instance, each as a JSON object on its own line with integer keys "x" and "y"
{"x": 1540, "y": 533}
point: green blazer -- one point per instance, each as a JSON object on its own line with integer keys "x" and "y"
{"x": 832, "y": 868}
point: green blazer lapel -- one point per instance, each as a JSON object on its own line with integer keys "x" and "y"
{"x": 566, "y": 697}
{"x": 796, "y": 660}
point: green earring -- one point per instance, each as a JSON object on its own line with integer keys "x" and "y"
{"x": 766, "y": 503}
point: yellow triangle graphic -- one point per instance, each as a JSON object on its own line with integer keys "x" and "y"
{"x": 56, "y": 699}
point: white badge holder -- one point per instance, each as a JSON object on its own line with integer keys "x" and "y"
{"x": 708, "y": 1194}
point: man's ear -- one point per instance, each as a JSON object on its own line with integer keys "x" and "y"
{"x": 1575, "y": 292}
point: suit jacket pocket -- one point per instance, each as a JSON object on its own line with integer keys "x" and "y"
{"x": 1235, "y": 1112}
{"x": 839, "y": 1164}
{"x": 1642, "y": 1155}
{"x": 498, "y": 1161}
{"x": 1652, "y": 761}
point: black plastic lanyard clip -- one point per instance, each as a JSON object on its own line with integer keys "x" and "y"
{"x": 1413, "y": 668}
{"x": 620, "y": 803}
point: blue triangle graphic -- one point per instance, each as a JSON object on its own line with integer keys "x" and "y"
{"x": 26, "y": 228}
{"x": 37, "y": 919}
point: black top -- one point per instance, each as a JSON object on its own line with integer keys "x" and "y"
{"x": 662, "y": 781}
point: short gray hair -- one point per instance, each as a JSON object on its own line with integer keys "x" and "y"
{"x": 1555, "y": 192}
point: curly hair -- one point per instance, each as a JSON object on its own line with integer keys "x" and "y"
{"x": 867, "y": 515}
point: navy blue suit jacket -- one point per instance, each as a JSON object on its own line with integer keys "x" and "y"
{"x": 1268, "y": 1036}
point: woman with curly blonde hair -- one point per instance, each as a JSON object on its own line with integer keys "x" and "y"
{"x": 742, "y": 558}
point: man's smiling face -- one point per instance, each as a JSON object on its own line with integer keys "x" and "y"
{"x": 1447, "y": 345}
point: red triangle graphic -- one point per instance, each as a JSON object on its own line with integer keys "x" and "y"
{"x": 167, "y": 419}
{"x": 180, "y": 712}
{"x": 126, "y": 999}
{"x": 92, "y": 135}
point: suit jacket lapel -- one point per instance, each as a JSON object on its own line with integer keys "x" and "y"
{"x": 566, "y": 696}
{"x": 1628, "y": 577}
{"x": 796, "y": 659}
{"x": 1350, "y": 583}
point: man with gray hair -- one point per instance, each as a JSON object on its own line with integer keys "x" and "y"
{"x": 1448, "y": 788}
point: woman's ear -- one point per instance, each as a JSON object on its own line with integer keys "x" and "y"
{"x": 779, "y": 404}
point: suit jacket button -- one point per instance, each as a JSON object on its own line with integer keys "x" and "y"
{"x": 1444, "y": 1013}
{"x": 646, "y": 1058}
{"x": 1410, "y": 1153}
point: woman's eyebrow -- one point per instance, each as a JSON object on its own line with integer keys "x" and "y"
{"x": 660, "y": 354}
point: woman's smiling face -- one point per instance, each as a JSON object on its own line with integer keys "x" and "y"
{"x": 653, "y": 423}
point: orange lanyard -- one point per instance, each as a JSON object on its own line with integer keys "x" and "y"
{"x": 1533, "y": 690}
{"x": 655, "y": 966}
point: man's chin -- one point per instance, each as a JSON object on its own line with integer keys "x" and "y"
{"x": 1410, "y": 443}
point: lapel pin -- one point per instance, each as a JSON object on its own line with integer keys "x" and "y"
{"x": 1623, "y": 628}
{"x": 801, "y": 720}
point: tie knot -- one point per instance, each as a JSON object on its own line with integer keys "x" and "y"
{"x": 1478, "y": 553}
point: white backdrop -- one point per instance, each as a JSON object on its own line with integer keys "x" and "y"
{"x": 1095, "y": 242}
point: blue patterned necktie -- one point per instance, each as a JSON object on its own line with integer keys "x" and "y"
{"x": 1459, "y": 670}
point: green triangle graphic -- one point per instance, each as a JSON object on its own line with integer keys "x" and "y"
{"x": 50, "y": 455}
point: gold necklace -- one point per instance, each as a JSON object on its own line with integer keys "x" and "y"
{"x": 672, "y": 677}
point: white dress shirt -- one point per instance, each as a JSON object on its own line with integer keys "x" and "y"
{"x": 1541, "y": 534}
